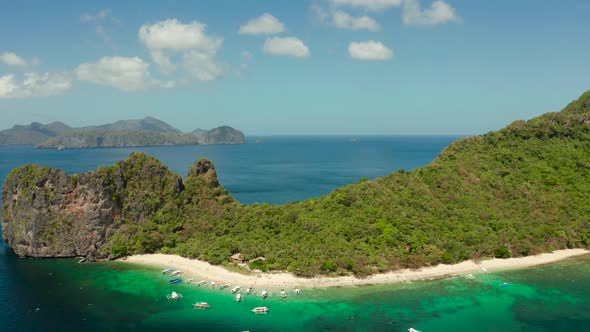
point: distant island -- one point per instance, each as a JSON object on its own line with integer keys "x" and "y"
{"x": 519, "y": 191}
{"x": 125, "y": 133}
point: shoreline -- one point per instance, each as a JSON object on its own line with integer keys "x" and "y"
{"x": 200, "y": 270}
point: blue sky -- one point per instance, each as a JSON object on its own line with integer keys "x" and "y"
{"x": 294, "y": 67}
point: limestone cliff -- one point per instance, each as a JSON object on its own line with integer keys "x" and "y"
{"x": 48, "y": 213}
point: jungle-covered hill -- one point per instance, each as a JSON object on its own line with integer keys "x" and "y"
{"x": 519, "y": 191}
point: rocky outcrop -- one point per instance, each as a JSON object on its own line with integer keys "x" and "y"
{"x": 48, "y": 213}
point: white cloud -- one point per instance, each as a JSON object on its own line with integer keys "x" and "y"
{"x": 166, "y": 38}
{"x": 202, "y": 65}
{"x": 101, "y": 15}
{"x": 369, "y": 51}
{"x": 290, "y": 46}
{"x": 128, "y": 74}
{"x": 246, "y": 54}
{"x": 34, "y": 85}
{"x": 346, "y": 21}
{"x": 439, "y": 13}
{"x": 372, "y": 5}
{"x": 13, "y": 60}
{"x": 102, "y": 33}
{"x": 265, "y": 24}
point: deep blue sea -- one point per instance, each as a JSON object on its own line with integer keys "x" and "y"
{"x": 60, "y": 295}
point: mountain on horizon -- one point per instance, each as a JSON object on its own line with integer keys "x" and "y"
{"x": 147, "y": 131}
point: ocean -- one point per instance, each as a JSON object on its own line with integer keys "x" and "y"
{"x": 61, "y": 295}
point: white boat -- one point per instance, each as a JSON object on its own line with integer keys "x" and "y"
{"x": 174, "y": 296}
{"x": 483, "y": 269}
{"x": 235, "y": 289}
{"x": 201, "y": 305}
{"x": 201, "y": 283}
{"x": 264, "y": 294}
{"x": 283, "y": 294}
{"x": 167, "y": 270}
{"x": 238, "y": 297}
{"x": 260, "y": 310}
{"x": 411, "y": 329}
{"x": 249, "y": 290}
{"x": 297, "y": 291}
{"x": 224, "y": 286}
{"x": 470, "y": 276}
{"x": 177, "y": 272}
{"x": 212, "y": 284}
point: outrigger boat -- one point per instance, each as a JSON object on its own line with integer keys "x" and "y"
{"x": 235, "y": 289}
{"x": 470, "y": 276}
{"x": 260, "y": 310}
{"x": 249, "y": 290}
{"x": 483, "y": 269}
{"x": 264, "y": 294}
{"x": 212, "y": 284}
{"x": 174, "y": 296}
{"x": 167, "y": 270}
{"x": 283, "y": 294}
{"x": 201, "y": 283}
{"x": 411, "y": 329}
{"x": 238, "y": 297}
{"x": 224, "y": 286}
{"x": 201, "y": 305}
{"x": 297, "y": 291}
{"x": 175, "y": 280}
{"x": 177, "y": 272}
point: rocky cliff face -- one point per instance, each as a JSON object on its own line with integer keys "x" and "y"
{"x": 48, "y": 213}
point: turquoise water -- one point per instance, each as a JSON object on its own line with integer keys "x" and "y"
{"x": 60, "y": 295}
{"x": 120, "y": 296}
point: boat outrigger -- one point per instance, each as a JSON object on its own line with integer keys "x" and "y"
{"x": 235, "y": 289}
{"x": 167, "y": 270}
{"x": 175, "y": 280}
{"x": 174, "y": 296}
{"x": 201, "y": 305}
{"x": 264, "y": 294}
{"x": 260, "y": 310}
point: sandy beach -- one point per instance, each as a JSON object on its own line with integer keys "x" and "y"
{"x": 200, "y": 270}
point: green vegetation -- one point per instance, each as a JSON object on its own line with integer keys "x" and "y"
{"x": 519, "y": 191}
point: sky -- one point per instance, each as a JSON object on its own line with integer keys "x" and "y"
{"x": 272, "y": 67}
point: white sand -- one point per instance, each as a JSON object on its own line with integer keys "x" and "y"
{"x": 204, "y": 271}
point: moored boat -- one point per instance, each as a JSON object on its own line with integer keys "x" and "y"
{"x": 260, "y": 310}
{"x": 174, "y": 296}
{"x": 167, "y": 270}
{"x": 177, "y": 272}
{"x": 483, "y": 269}
{"x": 297, "y": 291}
{"x": 264, "y": 294}
{"x": 235, "y": 289}
{"x": 212, "y": 284}
{"x": 201, "y": 305}
{"x": 249, "y": 290}
{"x": 201, "y": 283}
{"x": 224, "y": 286}
{"x": 175, "y": 280}
{"x": 411, "y": 329}
{"x": 238, "y": 297}
{"x": 283, "y": 293}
